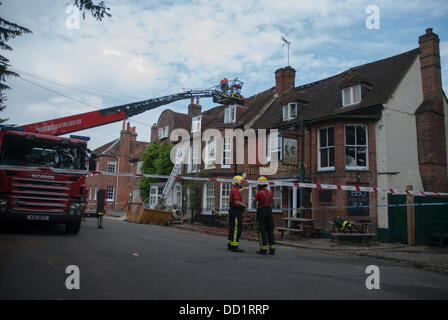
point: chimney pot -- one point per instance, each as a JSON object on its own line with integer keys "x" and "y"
{"x": 428, "y": 30}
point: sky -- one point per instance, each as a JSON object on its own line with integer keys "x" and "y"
{"x": 149, "y": 49}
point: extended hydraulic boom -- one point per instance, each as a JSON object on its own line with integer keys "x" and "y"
{"x": 101, "y": 117}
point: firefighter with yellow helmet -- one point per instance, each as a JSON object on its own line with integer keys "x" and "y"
{"x": 236, "y": 210}
{"x": 265, "y": 222}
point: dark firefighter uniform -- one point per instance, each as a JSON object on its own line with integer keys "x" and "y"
{"x": 235, "y": 217}
{"x": 265, "y": 222}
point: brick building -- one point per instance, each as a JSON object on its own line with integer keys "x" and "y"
{"x": 160, "y": 132}
{"x": 118, "y": 156}
{"x": 378, "y": 124}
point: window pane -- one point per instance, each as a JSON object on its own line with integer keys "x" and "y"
{"x": 331, "y": 136}
{"x": 331, "y": 157}
{"x": 285, "y": 112}
{"x": 346, "y": 94}
{"x": 350, "y": 159}
{"x": 356, "y": 94}
{"x": 361, "y": 135}
{"x": 233, "y": 113}
{"x": 324, "y": 158}
{"x": 292, "y": 110}
{"x": 110, "y": 193}
{"x": 349, "y": 135}
{"x": 361, "y": 155}
{"x": 323, "y": 137}
{"x": 325, "y": 196}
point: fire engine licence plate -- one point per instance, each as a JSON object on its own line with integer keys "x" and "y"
{"x": 39, "y": 218}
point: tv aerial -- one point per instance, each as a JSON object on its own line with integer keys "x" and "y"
{"x": 286, "y": 43}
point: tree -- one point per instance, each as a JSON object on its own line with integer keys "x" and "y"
{"x": 156, "y": 160}
{"x": 98, "y": 11}
{"x": 192, "y": 191}
{"x": 8, "y": 30}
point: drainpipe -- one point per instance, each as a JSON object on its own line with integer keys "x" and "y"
{"x": 116, "y": 184}
{"x": 302, "y": 166}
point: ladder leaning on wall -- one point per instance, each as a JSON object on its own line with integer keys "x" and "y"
{"x": 165, "y": 199}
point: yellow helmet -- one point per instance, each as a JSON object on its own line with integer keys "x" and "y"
{"x": 240, "y": 178}
{"x": 262, "y": 179}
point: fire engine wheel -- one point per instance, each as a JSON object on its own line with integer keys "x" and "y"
{"x": 72, "y": 227}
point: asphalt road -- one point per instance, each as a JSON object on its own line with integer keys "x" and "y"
{"x": 132, "y": 261}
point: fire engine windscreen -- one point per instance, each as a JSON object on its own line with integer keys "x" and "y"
{"x": 34, "y": 152}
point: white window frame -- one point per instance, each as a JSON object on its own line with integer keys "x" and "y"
{"x": 94, "y": 195}
{"x": 350, "y": 90}
{"x": 289, "y": 111}
{"x": 110, "y": 164}
{"x": 177, "y": 196}
{"x": 270, "y": 148}
{"x": 224, "y": 205}
{"x": 366, "y": 146}
{"x": 319, "y": 162}
{"x": 90, "y": 193}
{"x": 163, "y": 133}
{"x": 195, "y": 155}
{"x": 196, "y": 124}
{"x": 109, "y": 192}
{"x": 277, "y": 196}
{"x": 210, "y": 153}
{"x": 230, "y": 114}
{"x": 227, "y": 142}
{"x": 205, "y": 208}
{"x": 155, "y": 196}
{"x": 251, "y": 196}
{"x": 139, "y": 167}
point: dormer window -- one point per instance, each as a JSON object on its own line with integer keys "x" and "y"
{"x": 163, "y": 133}
{"x": 351, "y": 95}
{"x": 230, "y": 114}
{"x": 196, "y": 124}
{"x": 289, "y": 111}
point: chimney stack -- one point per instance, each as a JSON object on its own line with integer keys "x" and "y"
{"x": 194, "y": 109}
{"x": 154, "y": 132}
{"x": 284, "y": 79}
{"x": 430, "y": 68}
{"x": 430, "y": 117}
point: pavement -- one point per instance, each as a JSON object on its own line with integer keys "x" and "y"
{"x": 432, "y": 258}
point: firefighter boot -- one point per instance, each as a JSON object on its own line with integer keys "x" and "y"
{"x": 262, "y": 252}
{"x": 236, "y": 249}
{"x": 272, "y": 252}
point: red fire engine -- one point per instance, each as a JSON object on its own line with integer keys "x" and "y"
{"x": 42, "y": 175}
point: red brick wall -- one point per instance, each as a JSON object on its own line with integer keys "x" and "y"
{"x": 341, "y": 176}
{"x": 431, "y": 151}
{"x": 430, "y": 120}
